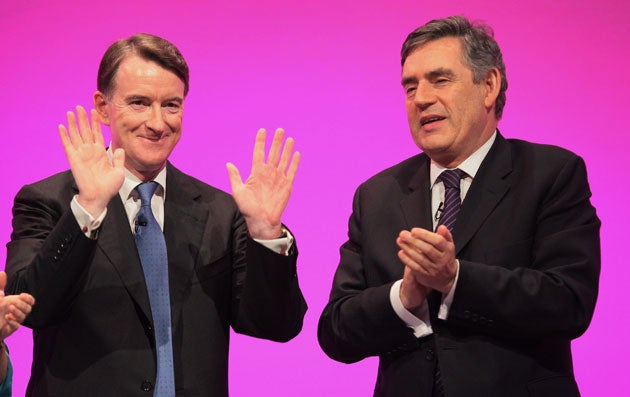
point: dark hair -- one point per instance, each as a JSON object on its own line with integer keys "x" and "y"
{"x": 481, "y": 51}
{"x": 146, "y": 46}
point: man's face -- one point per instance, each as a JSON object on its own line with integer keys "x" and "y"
{"x": 449, "y": 115}
{"x": 144, "y": 114}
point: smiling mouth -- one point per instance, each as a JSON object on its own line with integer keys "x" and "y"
{"x": 431, "y": 119}
{"x": 155, "y": 138}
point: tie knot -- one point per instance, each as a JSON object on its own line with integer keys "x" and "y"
{"x": 145, "y": 191}
{"x": 451, "y": 178}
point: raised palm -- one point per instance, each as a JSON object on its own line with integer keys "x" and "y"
{"x": 97, "y": 178}
{"x": 263, "y": 197}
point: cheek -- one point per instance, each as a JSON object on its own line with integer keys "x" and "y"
{"x": 412, "y": 112}
{"x": 174, "y": 122}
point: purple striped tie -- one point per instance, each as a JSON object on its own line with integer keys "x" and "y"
{"x": 452, "y": 197}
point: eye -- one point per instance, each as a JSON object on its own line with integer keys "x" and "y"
{"x": 410, "y": 90}
{"x": 172, "y": 107}
{"x": 138, "y": 104}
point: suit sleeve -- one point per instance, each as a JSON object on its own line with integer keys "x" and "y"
{"x": 47, "y": 255}
{"x": 544, "y": 286}
{"x": 359, "y": 320}
{"x": 268, "y": 300}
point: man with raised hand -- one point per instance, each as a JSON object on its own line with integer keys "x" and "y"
{"x": 139, "y": 269}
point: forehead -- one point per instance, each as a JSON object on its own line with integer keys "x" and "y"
{"x": 446, "y": 52}
{"x": 136, "y": 73}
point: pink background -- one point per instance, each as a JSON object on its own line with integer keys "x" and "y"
{"x": 328, "y": 72}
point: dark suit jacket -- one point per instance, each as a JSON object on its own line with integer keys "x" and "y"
{"x": 527, "y": 239}
{"x": 92, "y": 321}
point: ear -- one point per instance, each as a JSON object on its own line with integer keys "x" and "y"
{"x": 101, "y": 106}
{"x": 492, "y": 83}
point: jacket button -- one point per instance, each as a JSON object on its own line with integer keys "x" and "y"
{"x": 466, "y": 314}
{"x": 146, "y": 385}
{"x": 429, "y": 356}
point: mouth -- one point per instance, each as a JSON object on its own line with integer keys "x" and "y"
{"x": 430, "y": 119}
{"x": 155, "y": 138}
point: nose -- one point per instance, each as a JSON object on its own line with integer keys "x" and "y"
{"x": 155, "y": 121}
{"x": 425, "y": 96}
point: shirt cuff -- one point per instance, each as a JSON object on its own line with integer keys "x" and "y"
{"x": 445, "y": 306}
{"x": 421, "y": 325}
{"x": 280, "y": 245}
{"x": 88, "y": 224}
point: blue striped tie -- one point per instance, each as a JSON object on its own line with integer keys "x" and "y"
{"x": 452, "y": 197}
{"x": 152, "y": 250}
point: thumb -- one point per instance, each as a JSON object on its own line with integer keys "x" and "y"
{"x": 118, "y": 160}
{"x": 3, "y": 280}
{"x": 444, "y": 232}
{"x": 234, "y": 175}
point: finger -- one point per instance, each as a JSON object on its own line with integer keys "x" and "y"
{"x": 286, "y": 155}
{"x": 293, "y": 167}
{"x": 96, "y": 128}
{"x": 84, "y": 125}
{"x": 276, "y": 145}
{"x": 234, "y": 175}
{"x": 259, "y": 147}
{"x": 65, "y": 140}
{"x": 17, "y": 314}
{"x": 118, "y": 159}
{"x": 11, "y": 326}
{"x": 437, "y": 240}
{"x": 430, "y": 253}
{"x": 414, "y": 241}
{"x": 3, "y": 280}
{"x": 411, "y": 251}
{"x": 429, "y": 256}
{"x": 444, "y": 232}
{"x": 27, "y": 298}
{"x": 18, "y": 306}
{"x": 412, "y": 265}
{"x": 73, "y": 130}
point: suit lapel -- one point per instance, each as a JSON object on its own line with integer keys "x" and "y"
{"x": 487, "y": 190}
{"x": 416, "y": 206}
{"x": 184, "y": 223}
{"x": 117, "y": 244}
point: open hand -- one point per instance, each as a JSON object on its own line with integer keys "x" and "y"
{"x": 263, "y": 197}
{"x": 97, "y": 178}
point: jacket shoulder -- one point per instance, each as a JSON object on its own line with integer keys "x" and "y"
{"x": 402, "y": 172}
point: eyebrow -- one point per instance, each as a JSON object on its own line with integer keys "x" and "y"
{"x": 440, "y": 72}
{"x": 433, "y": 74}
{"x": 132, "y": 98}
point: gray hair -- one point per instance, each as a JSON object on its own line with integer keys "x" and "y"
{"x": 481, "y": 51}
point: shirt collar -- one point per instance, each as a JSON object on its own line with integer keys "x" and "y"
{"x": 470, "y": 166}
{"x": 131, "y": 181}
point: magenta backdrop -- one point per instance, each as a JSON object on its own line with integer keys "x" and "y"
{"x": 328, "y": 72}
